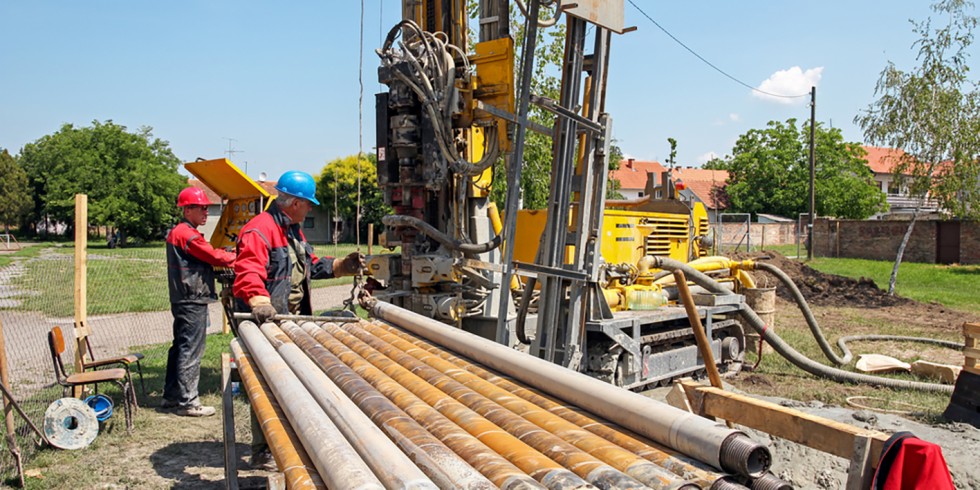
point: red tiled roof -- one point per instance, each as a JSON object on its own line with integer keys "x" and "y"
{"x": 882, "y": 160}
{"x": 632, "y": 174}
{"x": 702, "y": 183}
{"x": 212, "y": 196}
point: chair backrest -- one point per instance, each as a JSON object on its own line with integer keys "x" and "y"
{"x": 56, "y": 342}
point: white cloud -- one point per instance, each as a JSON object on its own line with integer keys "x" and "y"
{"x": 733, "y": 117}
{"x": 705, "y": 158}
{"x": 793, "y": 81}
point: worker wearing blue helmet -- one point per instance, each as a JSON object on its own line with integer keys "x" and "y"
{"x": 275, "y": 265}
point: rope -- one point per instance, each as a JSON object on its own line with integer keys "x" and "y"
{"x": 349, "y": 303}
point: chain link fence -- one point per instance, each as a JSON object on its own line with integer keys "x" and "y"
{"x": 128, "y": 307}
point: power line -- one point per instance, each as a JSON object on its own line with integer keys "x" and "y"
{"x": 719, "y": 70}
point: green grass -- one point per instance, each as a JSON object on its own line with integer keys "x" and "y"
{"x": 953, "y": 286}
{"x": 67, "y": 469}
{"x": 131, "y": 279}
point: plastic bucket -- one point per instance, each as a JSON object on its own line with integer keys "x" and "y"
{"x": 102, "y": 406}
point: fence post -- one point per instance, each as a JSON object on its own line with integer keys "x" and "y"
{"x": 81, "y": 284}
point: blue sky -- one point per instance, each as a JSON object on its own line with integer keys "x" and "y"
{"x": 281, "y": 78}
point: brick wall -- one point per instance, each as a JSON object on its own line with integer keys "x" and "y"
{"x": 879, "y": 240}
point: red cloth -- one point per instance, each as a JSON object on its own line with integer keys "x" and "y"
{"x": 913, "y": 464}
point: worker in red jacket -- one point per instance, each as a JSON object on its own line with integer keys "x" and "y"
{"x": 190, "y": 274}
{"x": 275, "y": 265}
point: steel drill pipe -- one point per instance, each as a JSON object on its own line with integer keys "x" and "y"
{"x": 617, "y": 457}
{"x": 695, "y": 436}
{"x": 407, "y": 389}
{"x": 283, "y": 442}
{"x": 440, "y": 462}
{"x": 386, "y": 460}
{"x": 678, "y": 464}
{"x": 337, "y": 462}
{"x": 568, "y": 455}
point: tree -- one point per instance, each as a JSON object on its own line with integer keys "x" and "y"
{"x": 769, "y": 173}
{"x": 131, "y": 179}
{"x": 15, "y": 200}
{"x": 932, "y": 113}
{"x": 337, "y": 185}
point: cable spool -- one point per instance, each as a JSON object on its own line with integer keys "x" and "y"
{"x": 70, "y": 424}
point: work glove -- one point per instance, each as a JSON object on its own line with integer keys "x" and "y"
{"x": 349, "y": 265}
{"x": 262, "y": 309}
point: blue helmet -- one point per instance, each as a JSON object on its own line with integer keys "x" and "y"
{"x": 299, "y": 184}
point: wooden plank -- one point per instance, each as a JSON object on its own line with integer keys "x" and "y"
{"x": 810, "y": 430}
{"x": 81, "y": 286}
{"x": 971, "y": 369}
{"x": 971, "y": 352}
{"x": 971, "y": 329}
{"x": 8, "y": 414}
{"x": 228, "y": 424}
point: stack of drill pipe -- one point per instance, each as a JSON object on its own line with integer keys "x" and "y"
{"x": 490, "y": 384}
{"x": 459, "y": 424}
{"x": 283, "y": 442}
{"x": 697, "y": 437}
{"x": 335, "y": 459}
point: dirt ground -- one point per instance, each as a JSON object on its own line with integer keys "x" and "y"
{"x": 170, "y": 453}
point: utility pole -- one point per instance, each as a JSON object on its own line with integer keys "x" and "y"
{"x": 813, "y": 173}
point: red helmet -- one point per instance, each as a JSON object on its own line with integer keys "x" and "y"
{"x": 192, "y": 196}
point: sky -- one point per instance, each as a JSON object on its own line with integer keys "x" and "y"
{"x": 274, "y": 86}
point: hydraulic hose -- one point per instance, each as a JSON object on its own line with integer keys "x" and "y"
{"x": 442, "y": 238}
{"x": 787, "y": 351}
{"x": 811, "y": 322}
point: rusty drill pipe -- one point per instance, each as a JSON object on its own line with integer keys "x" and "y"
{"x": 337, "y": 462}
{"x": 535, "y": 464}
{"x": 679, "y": 464}
{"x": 569, "y": 456}
{"x": 486, "y": 399}
{"x": 445, "y": 467}
{"x": 695, "y": 436}
{"x": 283, "y": 442}
{"x": 542, "y": 414}
{"x": 386, "y": 460}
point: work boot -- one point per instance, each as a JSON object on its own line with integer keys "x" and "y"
{"x": 168, "y": 404}
{"x": 195, "y": 411}
{"x": 264, "y": 461}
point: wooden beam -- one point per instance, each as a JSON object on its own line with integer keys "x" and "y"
{"x": 810, "y": 430}
{"x": 5, "y": 379}
{"x": 81, "y": 285}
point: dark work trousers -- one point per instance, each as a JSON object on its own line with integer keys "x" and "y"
{"x": 184, "y": 359}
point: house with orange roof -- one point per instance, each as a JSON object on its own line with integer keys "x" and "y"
{"x": 632, "y": 176}
{"x": 882, "y": 162}
{"x": 704, "y": 186}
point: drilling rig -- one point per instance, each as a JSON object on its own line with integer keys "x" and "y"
{"x": 572, "y": 283}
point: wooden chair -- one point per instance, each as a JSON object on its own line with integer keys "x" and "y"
{"x": 124, "y": 361}
{"x": 120, "y": 376}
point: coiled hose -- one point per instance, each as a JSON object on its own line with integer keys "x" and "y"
{"x": 786, "y": 350}
{"x": 811, "y": 322}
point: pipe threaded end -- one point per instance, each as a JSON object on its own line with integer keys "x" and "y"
{"x": 743, "y": 456}
{"x": 726, "y": 483}
{"x": 770, "y": 481}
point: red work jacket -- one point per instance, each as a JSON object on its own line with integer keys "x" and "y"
{"x": 190, "y": 262}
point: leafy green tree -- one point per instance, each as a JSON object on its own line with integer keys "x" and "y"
{"x": 131, "y": 179}
{"x": 336, "y": 190}
{"x": 15, "y": 198}
{"x": 932, "y": 113}
{"x": 769, "y": 172}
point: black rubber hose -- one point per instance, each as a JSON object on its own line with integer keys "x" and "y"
{"x": 815, "y": 329}
{"x": 431, "y": 232}
{"x": 522, "y": 310}
{"x": 786, "y": 350}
